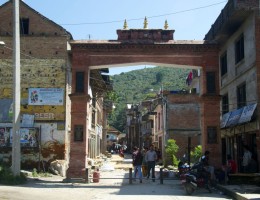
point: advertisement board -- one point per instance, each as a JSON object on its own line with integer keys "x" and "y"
{"x": 46, "y": 96}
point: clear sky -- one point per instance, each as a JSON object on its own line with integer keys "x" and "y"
{"x": 99, "y": 19}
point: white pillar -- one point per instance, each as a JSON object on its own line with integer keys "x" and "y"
{"x": 16, "y": 147}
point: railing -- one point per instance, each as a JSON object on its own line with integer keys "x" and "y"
{"x": 130, "y": 178}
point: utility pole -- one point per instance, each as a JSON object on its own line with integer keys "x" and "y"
{"x": 16, "y": 147}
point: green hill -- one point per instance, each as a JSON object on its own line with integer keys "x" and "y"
{"x": 138, "y": 85}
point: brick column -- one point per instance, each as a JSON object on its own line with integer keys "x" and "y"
{"x": 210, "y": 109}
{"x": 78, "y": 149}
{"x": 79, "y": 119}
{"x": 211, "y": 123}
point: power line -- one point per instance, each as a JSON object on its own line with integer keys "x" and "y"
{"x": 136, "y": 19}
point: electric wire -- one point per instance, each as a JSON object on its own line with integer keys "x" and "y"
{"x": 149, "y": 17}
{"x": 109, "y": 22}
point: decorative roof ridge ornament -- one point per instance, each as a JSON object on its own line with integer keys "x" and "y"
{"x": 125, "y": 27}
{"x": 166, "y": 26}
{"x": 145, "y": 23}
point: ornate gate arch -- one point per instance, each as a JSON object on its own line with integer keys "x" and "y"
{"x": 143, "y": 46}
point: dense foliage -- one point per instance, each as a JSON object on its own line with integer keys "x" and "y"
{"x": 7, "y": 177}
{"x": 138, "y": 85}
{"x": 171, "y": 150}
{"x": 196, "y": 154}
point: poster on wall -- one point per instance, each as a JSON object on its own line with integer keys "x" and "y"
{"x": 5, "y": 136}
{"x": 29, "y": 137}
{"x": 6, "y": 111}
{"x": 2, "y": 137}
{"x": 46, "y": 96}
{"x": 27, "y": 120}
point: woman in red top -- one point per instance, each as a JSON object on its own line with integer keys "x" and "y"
{"x": 231, "y": 165}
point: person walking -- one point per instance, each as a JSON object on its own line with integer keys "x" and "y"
{"x": 151, "y": 158}
{"x": 137, "y": 163}
{"x": 144, "y": 164}
{"x": 210, "y": 169}
{"x": 246, "y": 159}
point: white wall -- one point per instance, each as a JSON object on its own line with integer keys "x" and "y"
{"x": 245, "y": 70}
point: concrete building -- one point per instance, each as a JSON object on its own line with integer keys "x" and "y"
{"x": 237, "y": 31}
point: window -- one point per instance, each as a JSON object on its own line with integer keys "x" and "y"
{"x": 241, "y": 95}
{"x": 78, "y": 133}
{"x": 159, "y": 121}
{"x": 24, "y": 26}
{"x": 225, "y": 106}
{"x": 211, "y": 82}
{"x": 93, "y": 119}
{"x": 212, "y": 135}
{"x": 79, "y": 81}
{"x": 223, "y": 64}
{"x": 239, "y": 49}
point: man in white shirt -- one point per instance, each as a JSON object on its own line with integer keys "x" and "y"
{"x": 151, "y": 158}
{"x": 246, "y": 159}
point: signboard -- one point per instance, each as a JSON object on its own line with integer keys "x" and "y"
{"x": 46, "y": 96}
{"x": 247, "y": 113}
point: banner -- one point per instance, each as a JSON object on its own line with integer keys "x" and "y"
{"x": 46, "y": 96}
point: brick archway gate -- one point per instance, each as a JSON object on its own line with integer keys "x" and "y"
{"x": 89, "y": 54}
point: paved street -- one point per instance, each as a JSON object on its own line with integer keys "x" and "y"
{"x": 114, "y": 189}
{"x": 53, "y": 188}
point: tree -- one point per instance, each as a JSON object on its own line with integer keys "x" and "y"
{"x": 159, "y": 77}
{"x": 196, "y": 154}
{"x": 171, "y": 149}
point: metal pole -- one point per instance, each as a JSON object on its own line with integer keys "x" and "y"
{"x": 16, "y": 148}
{"x": 164, "y": 103}
{"x": 130, "y": 176}
{"x": 161, "y": 175}
{"x": 189, "y": 149}
{"x": 87, "y": 175}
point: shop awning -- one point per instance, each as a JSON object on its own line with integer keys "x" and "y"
{"x": 224, "y": 120}
{"x": 234, "y": 117}
{"x": 247, "y": 113}
{"x": 239, "y": 116}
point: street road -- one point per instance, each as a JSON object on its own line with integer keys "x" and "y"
{"x": 107, "y": 189}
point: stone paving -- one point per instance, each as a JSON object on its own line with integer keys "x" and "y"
{"x": 240, "y": 192}
{"x": 117, "y": 188}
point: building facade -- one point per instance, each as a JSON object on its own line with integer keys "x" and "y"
{"x": 239, "y": 78}
{"x": 46, "y": 83}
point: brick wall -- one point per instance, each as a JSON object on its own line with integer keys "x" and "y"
{"x": 44, "y": 63}
{"x": 39, "y": 25}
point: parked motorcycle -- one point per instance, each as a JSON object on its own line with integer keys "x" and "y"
{"x": 183, "y": 168}
{"x": 196, "y": 178}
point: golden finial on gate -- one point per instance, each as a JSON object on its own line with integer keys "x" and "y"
{"x": 125, "y": 25}
{"x": 145, "y": 23}
{"x": 166, "y": 25}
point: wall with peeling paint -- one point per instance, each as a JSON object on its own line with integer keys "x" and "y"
{"x": 44, "y": 64}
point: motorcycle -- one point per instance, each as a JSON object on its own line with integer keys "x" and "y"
{"x": 183, "y": 168}
{"x": 196, "y": 178}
